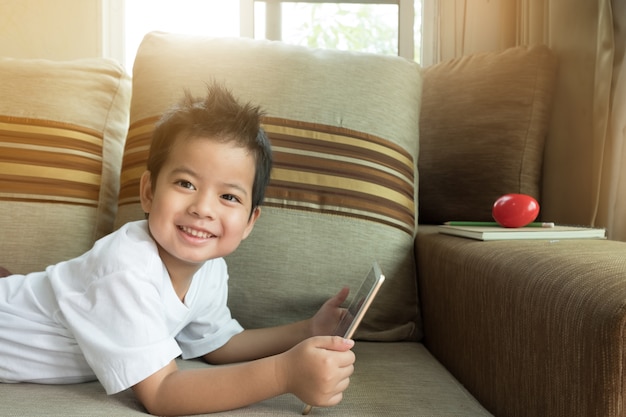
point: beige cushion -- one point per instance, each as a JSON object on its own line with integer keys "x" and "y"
{"x": 62, "y": 131}
{"x": 393, "y": 379}
{"x": 483, "y": 125}
{"x": 344, "y": 128}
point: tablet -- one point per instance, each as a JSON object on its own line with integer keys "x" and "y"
{"x": 361, "y": 302}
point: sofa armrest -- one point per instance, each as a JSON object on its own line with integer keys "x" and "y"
{"x": 531, "y": 328}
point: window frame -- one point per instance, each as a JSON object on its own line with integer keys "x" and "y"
{"x": 406, "y": 19}
{"x": 112, "y": 33}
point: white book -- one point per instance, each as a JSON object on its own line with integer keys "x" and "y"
{"x": 520, "y": 233}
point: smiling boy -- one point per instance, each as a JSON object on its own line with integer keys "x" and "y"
{"x": 157, "y": 288}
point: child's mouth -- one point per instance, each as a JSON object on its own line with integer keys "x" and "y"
{"x": 195, "y": 233}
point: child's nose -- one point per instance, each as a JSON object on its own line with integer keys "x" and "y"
{"x": 203, "y": 206}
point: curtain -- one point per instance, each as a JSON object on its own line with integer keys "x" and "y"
{"x": 584, "y": 177}
{"x": 611, "y": 210}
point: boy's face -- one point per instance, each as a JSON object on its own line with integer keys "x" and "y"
{"x": 200, "y": 206}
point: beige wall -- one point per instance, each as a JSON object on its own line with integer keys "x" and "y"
{"x": 51, "y": 29}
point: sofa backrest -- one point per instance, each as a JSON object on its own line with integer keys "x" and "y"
{"x": 344, "y": 128}
{"x": 62, "y": 132}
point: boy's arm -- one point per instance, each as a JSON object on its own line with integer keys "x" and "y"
{"x": 259, "y": 343}
{"x": 316, "y": 370}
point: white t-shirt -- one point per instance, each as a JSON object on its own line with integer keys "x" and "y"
{"x": 110, "y": 314}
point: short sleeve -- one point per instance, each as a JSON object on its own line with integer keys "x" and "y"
{"x": 115, "y": 312}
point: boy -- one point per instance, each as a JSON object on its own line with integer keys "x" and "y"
{"x": 156, "y": 288}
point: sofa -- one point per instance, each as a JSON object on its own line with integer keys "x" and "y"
{"x": 371, "y": 153}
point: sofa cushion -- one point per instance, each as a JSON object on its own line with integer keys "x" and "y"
{"x": 394, "y": 379}
{"x": 344, "y": 129}
{"x": 62, "y": 132}
{"x": 483, "y": 125}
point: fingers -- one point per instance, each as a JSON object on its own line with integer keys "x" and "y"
{"x": 337, "y": 300}
{"x": 340, "y": 359}
{"x": 335, "y": 343}
{"x": 323, "y": 367}
{"x": 331, "y": 389}
{"x": 340, "y": 297}
{"x": 328, "y": 316}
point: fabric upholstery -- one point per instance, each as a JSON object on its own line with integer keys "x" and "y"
{"x": 344, "y": 128}
{"x": 551, "y": 316}
{"x": 62, "y": 132}
{"x": 421, "y": 387}
{"x": 482, "y": 131}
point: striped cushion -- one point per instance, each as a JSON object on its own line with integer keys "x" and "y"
{"x": 316, "y": 168}
{"x": 62, "y": 129}
{"x": 338, "y": 171}
{"x": 344, "y": 130}
{"x": 50, "y": 162}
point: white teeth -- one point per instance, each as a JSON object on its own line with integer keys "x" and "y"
{"x": 195, "y": 233}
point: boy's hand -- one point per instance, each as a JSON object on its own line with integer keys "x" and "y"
{"x": 4, "y": 272}
{"x": 318, "y": 370}
{"x": 328, "y": 316}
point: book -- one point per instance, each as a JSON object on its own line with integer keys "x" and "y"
{"x": 556, "y": 232}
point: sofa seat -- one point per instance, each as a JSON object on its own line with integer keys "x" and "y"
{"x": 390, "y": 379}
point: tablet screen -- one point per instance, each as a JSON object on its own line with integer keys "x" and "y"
{"x": 361, "y": 301}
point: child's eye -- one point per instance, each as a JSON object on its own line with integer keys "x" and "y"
{"x": 185, "y": 184}
{"x": 230, "y": 197}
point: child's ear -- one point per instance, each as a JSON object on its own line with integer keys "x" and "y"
{"x": 253, "y": 217}
{"x": 146, "y": 193}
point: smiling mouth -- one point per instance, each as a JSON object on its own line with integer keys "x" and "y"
{"x": 196, "y": 233}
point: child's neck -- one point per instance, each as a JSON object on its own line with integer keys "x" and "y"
{"x": 181, "y": 274}
{"x": 181, "y": 285}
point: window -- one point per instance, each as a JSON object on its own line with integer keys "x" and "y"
{"x": 201, "y": 17}
{"x": 380, "y": 26}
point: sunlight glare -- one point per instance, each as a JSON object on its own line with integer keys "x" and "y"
{"x": 193, "y": 17}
